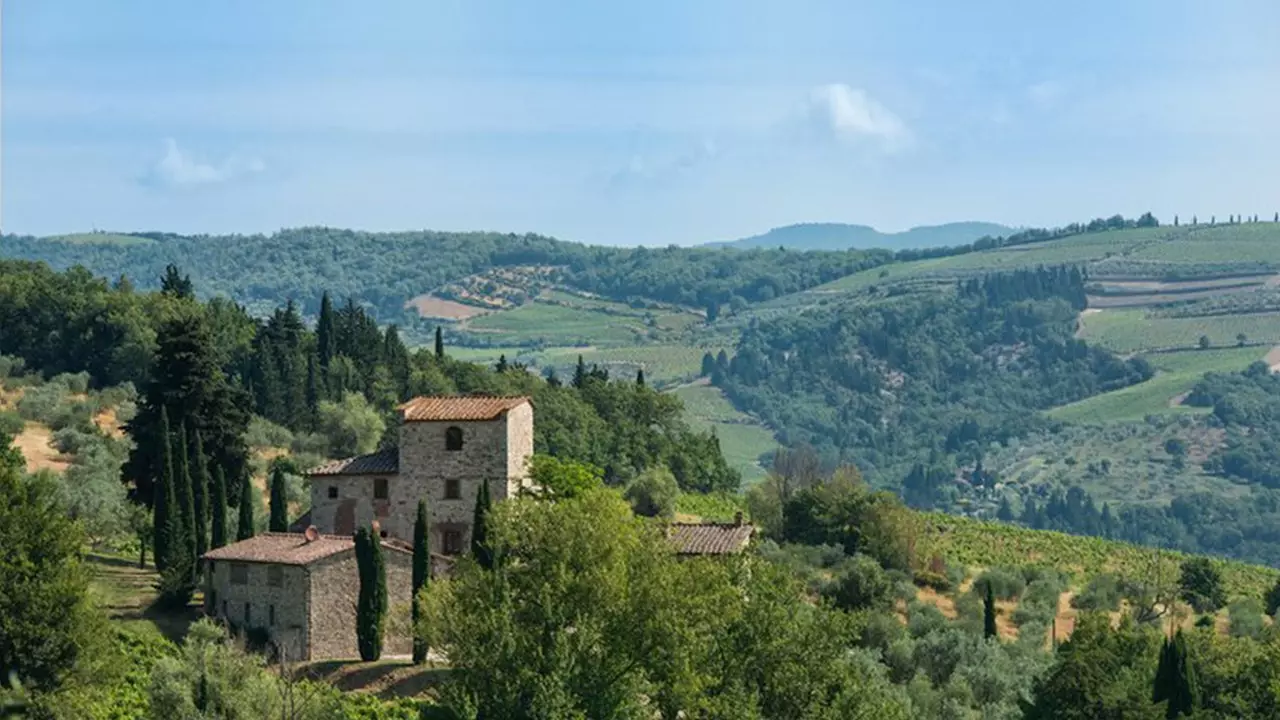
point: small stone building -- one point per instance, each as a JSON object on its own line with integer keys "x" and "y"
{"x": 448, "y": 446}
{"x": 711, "y": 538}
{"x": 303, "y": 591}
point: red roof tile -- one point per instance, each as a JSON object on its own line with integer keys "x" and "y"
{"x": 710, "y": 538}
{"x": 475, "y": 407}
{"x": 291, "y": 548}
{"x": 384, "y": 462}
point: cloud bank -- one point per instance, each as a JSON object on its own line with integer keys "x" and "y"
{"x": 180, "y": 169}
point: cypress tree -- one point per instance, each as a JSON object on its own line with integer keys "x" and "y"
{"x": 640, "y": 377}
{"x": 439, "y": 343}
{"x": 989, "y": 627}
{"x": 421, "y": 575}
{"x": 186, "y": 497}
{"x": 325, "y": 338}
{"x": 371, "y": 605}
{"x": 1162, "y": 688}
{"x": 200, "y": 494}
{"x": 1185, "y": 695}
{"x": 244, "y": 529}
{"x": 479, "y": 531}
{"x": 580, "y": 373}
{"x": 279, "y": 520}
{"x": 313, "y": 394}
{"x": 162, "y": 500}
{"x": 219, "y": 503}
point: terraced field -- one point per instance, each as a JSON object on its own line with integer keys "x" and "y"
{"x": 1134, "y": 330}
{"x": 742, "y": 438}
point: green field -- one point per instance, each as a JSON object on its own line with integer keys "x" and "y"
{"x": 100, "y": 239}
{"x": 742, "y": 439}
{"x": 1176, "y": 373}
{"x": 661, "y": 363}
{"x": 1248, "y": 242}
{"x": 558, "y": 325}
{"x": 1134, "y": 330}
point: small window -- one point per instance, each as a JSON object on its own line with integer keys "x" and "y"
{"x": 271, "y": 615}
{"x": 275, "y": 575}
{"x": 453, "y": 438}
{"x": 239, "y": 574}
{"x": 248, "y": 616}
{"x": 333, "y": 492}
{"x": 452, "y": 489}
{"x": 379, "y": 488}
{"x": 452, "y": 542}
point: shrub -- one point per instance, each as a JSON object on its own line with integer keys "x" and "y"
{"x": 925, "y": 578}
{"x": 11, "y": 423}
{"x": 263, "y": 433}
{"x": 11, "y": 366}
{"x": 863, "y": 586}
{"x": 1245, "y": 618}
{"x": 653, "y": 493}
{"x": 1005, "y": 584}
{"x": 923, "y": 619}
{"x": 1200, "y": 585}
{"x": 1102, "y": 593}
{"x": 40, "y": 403}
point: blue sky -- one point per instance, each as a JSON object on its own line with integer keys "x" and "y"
{"x": 651, "y": 123}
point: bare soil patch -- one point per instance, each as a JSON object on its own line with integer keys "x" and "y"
{"x": 430, "y": 306}
{"x": 34, "y": 441}
{"x": 1272, "y": 358}
{"x": 945, "y": 604}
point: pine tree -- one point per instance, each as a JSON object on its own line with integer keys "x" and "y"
{"x": 640, "y": 377}
{"x": 326, "y": 341}
{"x": 479, "y": 531}
{"x": 219, "y": 503}
{"x": 244, "y": 528}
{"x": 371, "y": 606}
{"x": 200, "y": 495}
{"x": 989, "y": 627}
{"x": 421, "y": 575}
{"x": 439, "y": 343}
{"x": 162, "y": 497}
{"x": 186, "y": 496}
{"x": 279, "y": 521}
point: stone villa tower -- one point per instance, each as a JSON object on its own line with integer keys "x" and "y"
{"x": 448, "y": 446}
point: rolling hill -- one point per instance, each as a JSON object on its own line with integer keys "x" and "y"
{"x": 841, "y": 236}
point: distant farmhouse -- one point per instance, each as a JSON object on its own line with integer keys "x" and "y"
{"x": 301, "y": 586}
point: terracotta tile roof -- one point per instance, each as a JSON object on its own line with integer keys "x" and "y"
{"x": 291, "y": 548}
{"x": 473, "y": 407}
{"x": 383, "y": 462}
{"x": 710, "y": 538}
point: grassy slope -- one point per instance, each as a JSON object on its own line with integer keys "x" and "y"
{"x": 1176, "y": 373}
{"x": 742, "y": 438}
{"x": 1134, "y": 330}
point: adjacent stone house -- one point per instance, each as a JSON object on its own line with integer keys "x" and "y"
{"x": 302, "y": 590}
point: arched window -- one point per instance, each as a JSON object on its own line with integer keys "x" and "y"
{"x": 453, "y": 438}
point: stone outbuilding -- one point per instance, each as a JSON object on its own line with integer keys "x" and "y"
{"x": 301, "y": 589}
{"x": 711, "y": 538}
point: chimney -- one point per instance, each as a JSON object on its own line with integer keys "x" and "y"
{"x": 311, "y": 534}
{"x": 737, "y": 518}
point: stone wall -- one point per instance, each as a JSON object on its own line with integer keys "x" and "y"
{"x": 355, "y": 498}
{"x": 519, "y": 447}
{"x": 289, "y": 600}
{"x": 335, "y": 592}
{"x": 425, "y": 465}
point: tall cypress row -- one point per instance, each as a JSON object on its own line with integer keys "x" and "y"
{"x": 279, "y": 521}
{"x": 371, "y": 606}
{"x": 162, "y": 502}
{"x": 244, "y": 529}
{"x": 439, "y": 343}
{"x": 421, "y": 575}
{"x": 479, "y": 530}
{"x": 326, "y": 340}
{"x": 219, "y": 503}
{"x": 200, "y": 494}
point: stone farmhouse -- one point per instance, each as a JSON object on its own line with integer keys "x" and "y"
{"x": 301, "y": 586}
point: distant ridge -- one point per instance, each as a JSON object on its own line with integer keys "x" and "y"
{"x": 841, "y": 236}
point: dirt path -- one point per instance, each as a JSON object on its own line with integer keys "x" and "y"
{"x": 1178, "y": 399}
{"x": 34, "y": 441}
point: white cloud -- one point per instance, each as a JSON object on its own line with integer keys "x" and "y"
{"x": 180, "y": 169}
{"x": 1046, "y": 93}
{"x": 852, "y": 116}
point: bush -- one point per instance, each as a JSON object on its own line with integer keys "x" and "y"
{"x": 1102, "y": 593}
{"x": 75, "y": 383}
{"x": 39, "y": 404}
{"x": 923, "y": 619}
{"x": 862, "y": 586}
{"x": 1005, "y": 584}
{"x": 653, "y": 493}
{"x": 11, "y": 366}
{"x": 1200, "y": 585}
{"x": 1245, "y": 618}
{"x": 263, "y": 433}
{"x": 925, "y": 578}
{"x": 11, "y": 423}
